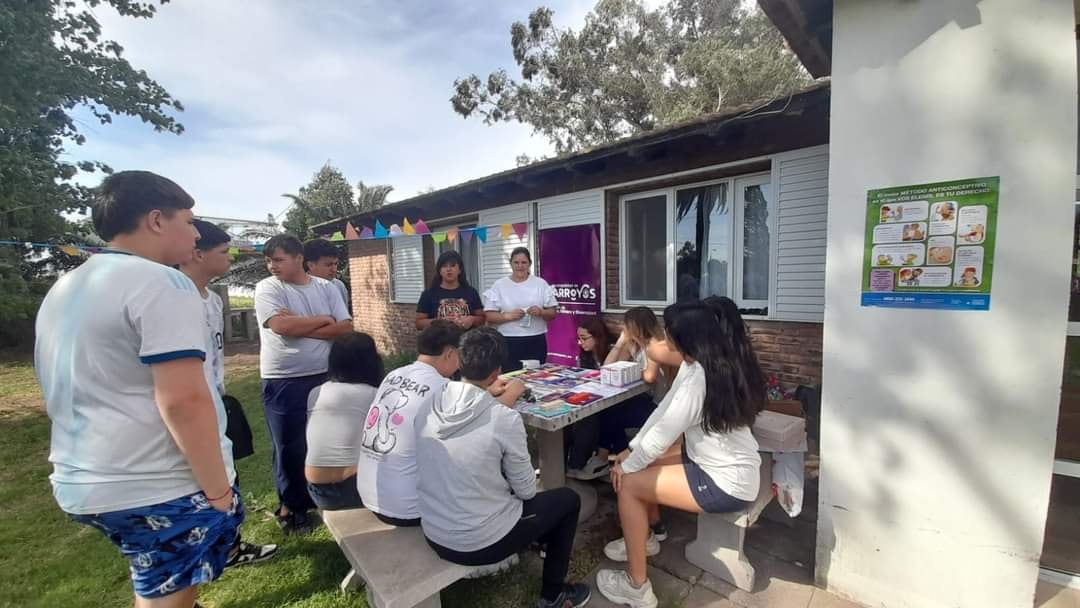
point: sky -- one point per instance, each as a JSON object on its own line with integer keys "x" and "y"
{"x": 273, "y": 89}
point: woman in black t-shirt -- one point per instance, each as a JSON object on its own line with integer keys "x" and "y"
{"x": 450, "y": 296}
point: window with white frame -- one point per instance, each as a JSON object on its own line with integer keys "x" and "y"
{"x": 698, "y": 240}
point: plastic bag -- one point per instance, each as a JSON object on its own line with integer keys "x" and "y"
{"x": 788, "y": 479}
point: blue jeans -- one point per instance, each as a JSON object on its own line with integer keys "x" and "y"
{"x": 285, "y": 403}
{"x": 336, "y": 496}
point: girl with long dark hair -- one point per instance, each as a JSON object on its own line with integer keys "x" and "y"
{"x": 711, "y": 404}
{"x": 450, "y": 296}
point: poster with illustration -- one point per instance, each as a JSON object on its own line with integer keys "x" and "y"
{"x": 931, "y": 245}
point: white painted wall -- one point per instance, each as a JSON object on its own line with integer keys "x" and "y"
{"x": 938, "y": 427}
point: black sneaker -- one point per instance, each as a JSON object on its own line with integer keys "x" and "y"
{"x": 294, "y": 522}
{"x": 659, "y": 530}
{"x": 247, "y": 553}
{"x": 573, "y": 596}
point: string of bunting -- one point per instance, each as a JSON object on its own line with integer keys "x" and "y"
{"x": 482, "y": 233}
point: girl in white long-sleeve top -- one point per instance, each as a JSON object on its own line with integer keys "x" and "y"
{"x": 714, "y": 469}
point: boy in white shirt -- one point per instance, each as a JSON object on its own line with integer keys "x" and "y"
{"x": 209, "y": 261}
{"x": 138, "y": 442}
{"x": 321, "y": 259}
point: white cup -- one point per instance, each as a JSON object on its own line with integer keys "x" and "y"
{"x": 530, "y": 363}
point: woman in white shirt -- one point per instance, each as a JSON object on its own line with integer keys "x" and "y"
{"x": 714, "y": 400}
{"x": 337, "y": 410}
{"x": 520, "y": 306}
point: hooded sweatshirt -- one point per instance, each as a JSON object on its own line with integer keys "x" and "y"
{"x": 474, "y": 468}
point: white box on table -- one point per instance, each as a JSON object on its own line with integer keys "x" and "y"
{"x": 620, "y": 373}
{"x": 778, "y": 432}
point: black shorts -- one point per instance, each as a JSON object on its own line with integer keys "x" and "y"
{"x": 706, "y": 493}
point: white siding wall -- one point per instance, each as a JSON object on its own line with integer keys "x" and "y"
{"x": 495, "y": 254}
{"x": 406, "y": 268}
{"x": 575, "y": 209}
{"x": 801, "y": 179}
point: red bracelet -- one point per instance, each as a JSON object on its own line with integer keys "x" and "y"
{"x": 227, "y": 492}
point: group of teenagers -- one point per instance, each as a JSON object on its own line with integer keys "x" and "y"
{"x": 139, "y": 446}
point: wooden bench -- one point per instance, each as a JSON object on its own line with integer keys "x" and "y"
{"x": 718, "y": 548}
{"x": 397, "y": 566}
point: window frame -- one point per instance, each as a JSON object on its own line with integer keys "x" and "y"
{"x": 735, "y": 253}
{"x": 459, "y": 223}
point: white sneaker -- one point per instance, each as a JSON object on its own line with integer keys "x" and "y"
{"x": 616, "y": 549}
{"x": 595, "y": 468}
{"x": 615, "y": 585}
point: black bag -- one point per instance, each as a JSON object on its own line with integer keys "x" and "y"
{"x": 237, "y": 428}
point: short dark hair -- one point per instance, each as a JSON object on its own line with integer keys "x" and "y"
{"x": 521, "y": 250}
{"x": 354, "y": 359}
{"x": 210, "y": 235}
{"x": 125, "y": 197}
{"x": 449, "y": 258}
{"x": 285, "y": 242}
{"x": 320, "y": 248}
{"x": 482, "y": 352}
{"x": 438, "y": 336}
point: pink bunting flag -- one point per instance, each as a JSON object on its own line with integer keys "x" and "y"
{"x": 421, "y": 227}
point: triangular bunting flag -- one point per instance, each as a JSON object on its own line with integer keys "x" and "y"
{"x": 438, "y": 237}
{"x": 395, "y": 230}
{"x": 466, "y": 236}
{"x": 366, "y": 233}
{"x": 337, "y": 236}
{"x": 481, "y": 234}
{"x": 380, "y": 230}
{"x": 421, "y": 227}
{"x": 407, "y": 228}
{"x": 452, "y": 234}
{"x": 72, "y": 251}
{"x": 234, "y": 251}
{"x": 520, "y": 229}
{"x": 350, "y": 232}
{"x": 505, "y": 231}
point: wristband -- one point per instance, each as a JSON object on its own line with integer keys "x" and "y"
{"x": 227, "y": 492}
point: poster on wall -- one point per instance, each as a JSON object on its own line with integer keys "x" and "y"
{"x": 570, "y": 263}
{"x": 931, "y": 245}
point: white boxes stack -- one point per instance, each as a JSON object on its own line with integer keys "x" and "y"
{"x": 779, "y": 432}
{"x": 620, "y": 373}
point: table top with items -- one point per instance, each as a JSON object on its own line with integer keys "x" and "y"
{"x": 558, "y": 395}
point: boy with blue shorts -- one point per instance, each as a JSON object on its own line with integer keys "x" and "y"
{"x": 138, "y": 442}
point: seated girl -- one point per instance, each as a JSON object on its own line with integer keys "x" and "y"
{"x": 712, "y": 403}
{"x": 336, "y": 412}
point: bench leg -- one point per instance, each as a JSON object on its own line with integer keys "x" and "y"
{"x": 552, "y": 459}
{"x": 718, "y": 550}
{"x": 431, "y": 602}
{"x": 351, "y": 582}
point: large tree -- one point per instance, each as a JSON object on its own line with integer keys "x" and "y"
{"x": 54, "y": 60}
{"x": 630, "y": 69}
{"x": 329, "y": 196}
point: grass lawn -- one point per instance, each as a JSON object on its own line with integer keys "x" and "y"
{"x": 50, "y": 561}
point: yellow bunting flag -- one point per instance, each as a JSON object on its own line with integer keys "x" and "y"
{"x": 68, "y": 249}
{"x": 407, "y": 228}
{"x": 506, "y": 231}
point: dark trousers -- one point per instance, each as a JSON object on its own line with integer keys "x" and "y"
{"x": 336, "y": 496}
{"x": 549, "y": 518}
{"x": 285, "y": 404}
{"x": 606, "y": 429}
{"x": 398, "y": 522}
{"x": 524, "y": 348}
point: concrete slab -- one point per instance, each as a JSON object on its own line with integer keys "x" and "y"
{"x": 700, "y": 597}
{"x": 778, "y": 585}
{"x": 1049, "y": 595}
{"x": 824, "y": 599}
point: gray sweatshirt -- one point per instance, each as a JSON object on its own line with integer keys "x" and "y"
{"x": 474, "y": 468}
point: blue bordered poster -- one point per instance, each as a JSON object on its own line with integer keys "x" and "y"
{"x": 931, "y": 246}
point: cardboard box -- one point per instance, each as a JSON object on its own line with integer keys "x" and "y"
{"x": 779, "y": 432}
{"x": 620, "y": 373}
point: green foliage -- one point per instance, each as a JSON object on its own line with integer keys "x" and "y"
{"x": 328, "y": 197}
{"x": 630, "y": 69}
{"x": 53, "y": 59}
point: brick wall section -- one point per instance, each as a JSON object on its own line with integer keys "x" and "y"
{"x": 391, "y": 325}
{"x": 790, "y": 351}
{"x": 611, "y": 249}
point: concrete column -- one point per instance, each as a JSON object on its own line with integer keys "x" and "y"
{"x": 938, "y": 427}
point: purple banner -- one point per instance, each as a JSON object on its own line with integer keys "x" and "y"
{"x": 570, "y": 263}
